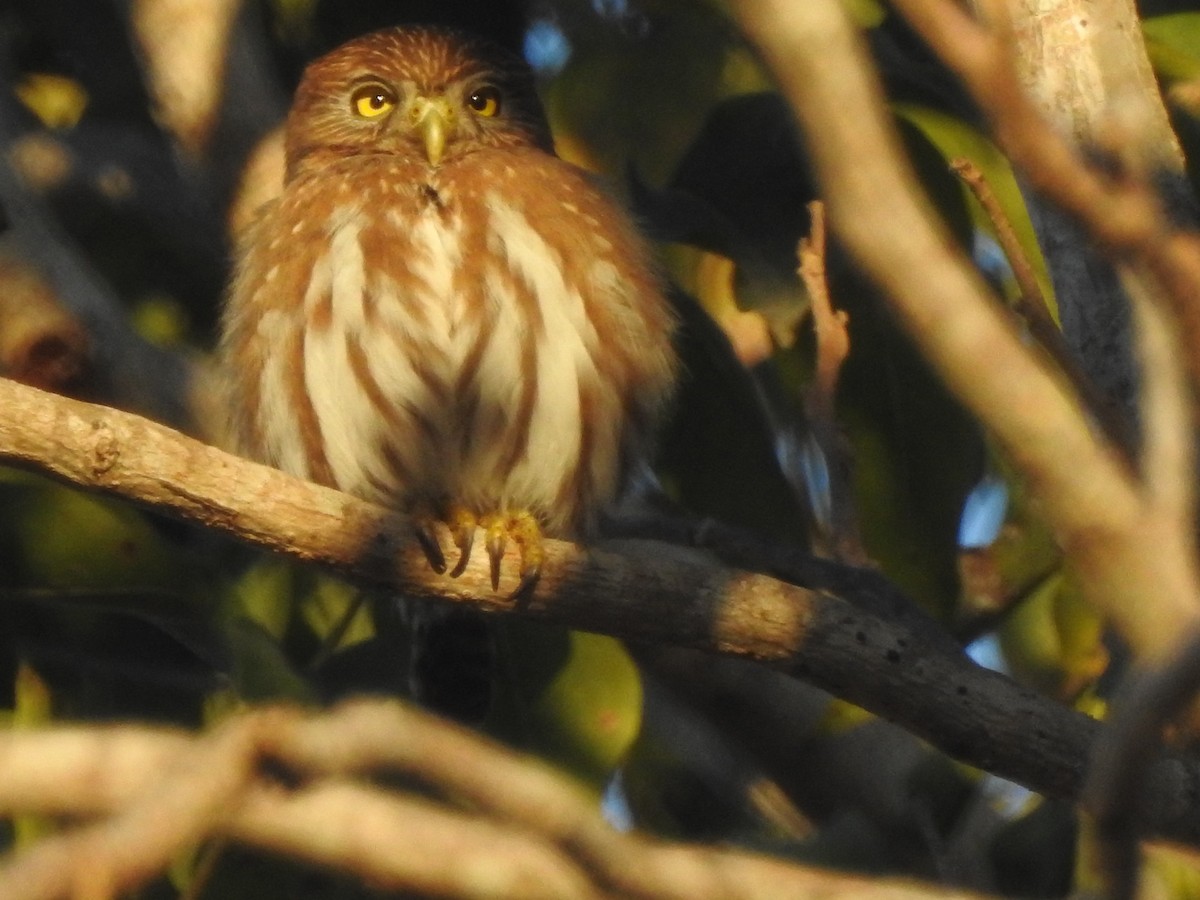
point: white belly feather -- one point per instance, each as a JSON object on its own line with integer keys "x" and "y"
{"x": 429, "y": 319}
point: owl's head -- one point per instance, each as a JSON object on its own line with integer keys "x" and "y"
{"x": 424, "y": 93}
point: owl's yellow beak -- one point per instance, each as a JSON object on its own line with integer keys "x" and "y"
{"x": 434, "y": 118}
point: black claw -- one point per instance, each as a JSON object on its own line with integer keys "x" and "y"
{"x": 529, "y": 580}
{"x": 464, "y": 540}
{"x": 433, "y": 550}
{"x": 495, "y": 551}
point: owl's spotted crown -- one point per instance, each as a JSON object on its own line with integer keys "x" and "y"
{"x": 416, "y": 92}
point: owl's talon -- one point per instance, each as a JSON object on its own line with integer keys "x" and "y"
{"x": 464, "y": 542}
{"x": 527, "y": 533}
{"x": 462, "y": 523}
{"x": 497, "y": 541}
{"x": 427, "y": 537}
{"x": 529, "y": 577}
{"x": 521, "y": 526}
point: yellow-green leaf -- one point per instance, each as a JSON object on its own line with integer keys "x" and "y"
{"x": 572, "y": 697}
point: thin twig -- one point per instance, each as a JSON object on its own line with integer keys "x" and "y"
{"x": 830, "y": 325}
{"x": 833, "y": 339}
{"x": 1031, "y": 303}
{"x": 1168, "y": 454}
{"x": 1126, "y": 217}
{"x": 1034, "y": 309}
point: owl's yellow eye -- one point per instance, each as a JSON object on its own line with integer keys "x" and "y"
{"x": 372, "y": 100}
{"x": 485, "y": 101}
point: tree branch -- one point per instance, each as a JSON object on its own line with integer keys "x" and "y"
{"x": 1110, "y": 531}
{"x": 1144, "y": 706}
{"x": 501, "y": 825}
{"x": 649, "y": 592}
{"x": 1126, "y": 217}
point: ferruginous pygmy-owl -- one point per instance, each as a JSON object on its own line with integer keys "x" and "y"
{"x": 438, "y": 313}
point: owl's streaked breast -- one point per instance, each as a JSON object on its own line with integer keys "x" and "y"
{"x": 428, "y": 344}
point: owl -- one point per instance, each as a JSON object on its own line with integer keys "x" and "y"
{"x": 437, "y": 313}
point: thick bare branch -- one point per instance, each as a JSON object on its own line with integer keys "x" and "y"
{"x": 649, "y": 592}
{"x": 184, "y": 45}
{"x": 529, "y": 832}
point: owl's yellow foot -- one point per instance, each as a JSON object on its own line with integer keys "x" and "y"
{"x": 520, "y": 526}
{"x": 523, "y": 529}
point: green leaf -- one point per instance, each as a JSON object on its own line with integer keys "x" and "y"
{"x": 266, "y": 593}
{"x": 326, "y": 607}
{"x": 1173, "y": 44}
{"x": 626, "y": 100}
{"x": 32, "y": 707}
{"x": 572, "y": 697}
{"x": 1054, "y": 640}
{"x": 866, "y": 13}
{"x": 1021, "y": 557}
{"x": 260, "y": 670}
{"x": 59, "y": 537}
